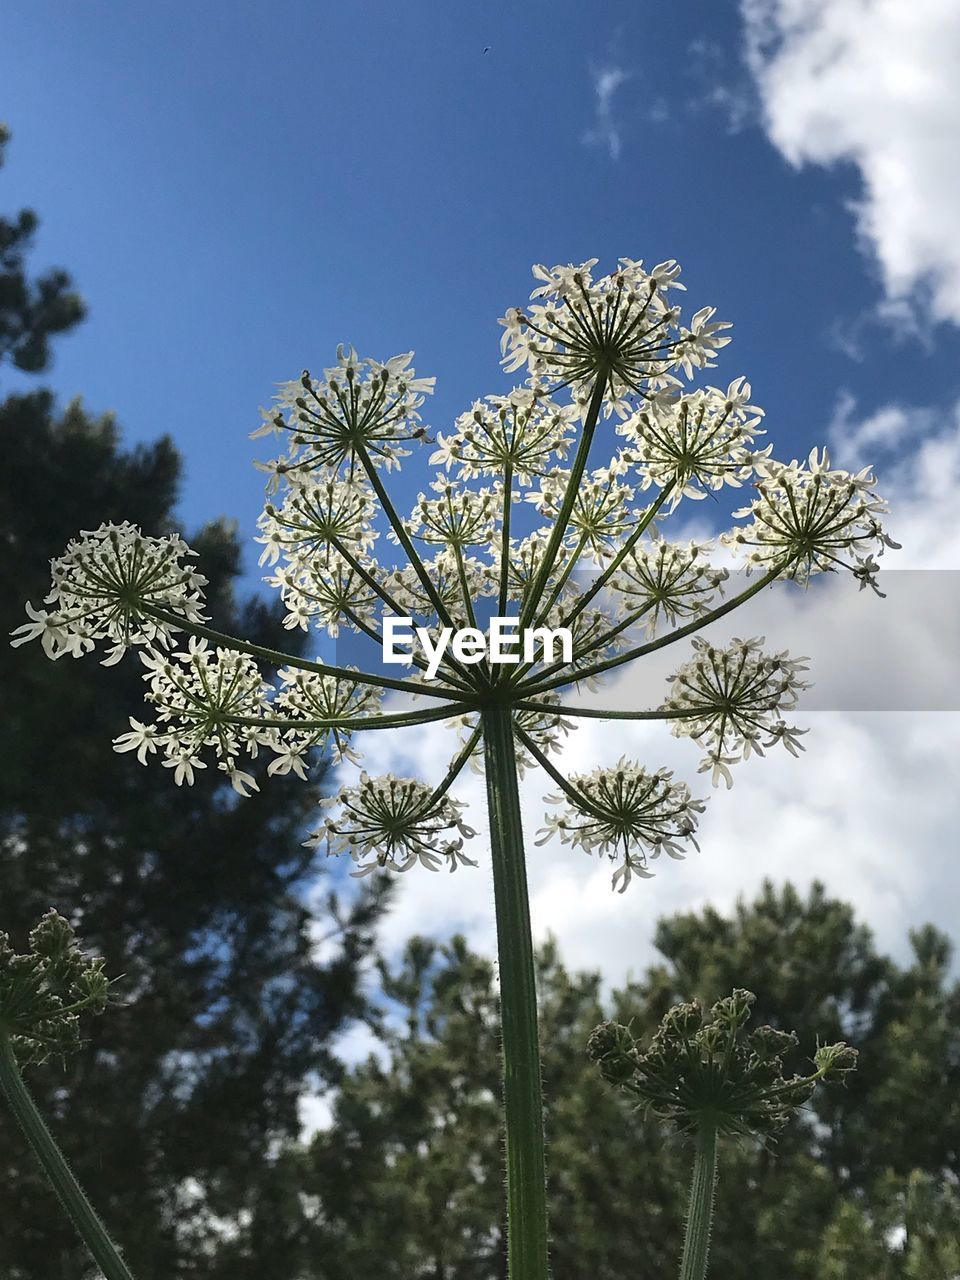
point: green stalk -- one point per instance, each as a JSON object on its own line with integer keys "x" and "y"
{"x": 58, "y": 1173}
{"x": 542, "y": 576}
{"x": 278, "y": 659}
{"x": 522, "y": 1099}
{"x": 696, "y": 1241}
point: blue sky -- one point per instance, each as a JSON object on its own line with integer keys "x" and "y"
{"x": 236, "y": 188}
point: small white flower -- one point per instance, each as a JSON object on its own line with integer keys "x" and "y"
{"x": 183, "y": 763}
{"x": 43, "y": 626}
{"x": 142, "y": 738}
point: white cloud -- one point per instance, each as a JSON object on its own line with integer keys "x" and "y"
{"x": 874, "y": 83}
{"x": 315, "y": 1113}
{"x": 916, "y": 452}
{"x": 605, "y": 131}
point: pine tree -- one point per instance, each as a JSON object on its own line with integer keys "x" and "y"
{"x": 412, "y": 1155}
{"x": 173, "y": 1112}
{"x": 31, "y": 312}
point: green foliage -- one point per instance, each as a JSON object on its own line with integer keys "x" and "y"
{"x": 196, "y": 899}
{"x": 31, "y": 312}
{"x": 413, "y": 1156}
{"x": 175, "y": 1104}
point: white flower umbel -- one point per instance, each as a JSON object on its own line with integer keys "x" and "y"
{"x": 627, "y": 813}
{"x": 396, "y": 823}
{"x": 101, "y": 586}
{"x": 811, "y": 515}
{"x": 521, "y": 505}
{"x": 732, "y": 700}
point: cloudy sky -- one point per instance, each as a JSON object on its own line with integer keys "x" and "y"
{"x": 239, "y": 187}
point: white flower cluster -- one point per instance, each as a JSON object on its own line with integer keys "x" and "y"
{"x": 669, "y": 580}
{"x": 602, "y": 513}
{"x": 807, "y": 515}
{"x": 359, "y": 404}
{"x": 625, "y": 812}
{"x": 458, "y": 518}
{"x": 199, "y": 694}
{"x": 697, "y": 442}
{"x": 620, "y": 325}
{"x": 103, "y": 586}
{"x": 315, "y": 514}
{"x": 732, "y": 701}
{"x": 396, "y": 823}
{"x": 518, "y": 521}
{"x": 305, "y": 697}
{"x": 521, "y": 434}
{"x": 215, "y": 699}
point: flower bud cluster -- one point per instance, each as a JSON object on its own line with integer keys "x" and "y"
{"x": 459, "y": 518}
{"x": 706, "y": 1068}
{"x": 315, "y": 514}
{"x": 44, "y": 990}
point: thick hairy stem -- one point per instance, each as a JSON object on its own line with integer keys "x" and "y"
{"x": 522, "y": 1098}
{"x": 58, "y": 1173}
{"x": 696, "y": 1242}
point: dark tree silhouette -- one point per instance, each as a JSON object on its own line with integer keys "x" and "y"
{"x": 173, "y": 1111}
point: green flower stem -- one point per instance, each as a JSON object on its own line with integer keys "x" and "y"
{"x": 404, "y": 538}
{"x": 573, "y": 793}
{"x": 566, "y": 507}
{"x": 669, "y": 637}
{"x": 278, "y": 659}
{"x": 79, "y": 1210}
{"x": 696, "y": 1242}
{"x": 505, "y": 538}
{"x": 522, "y": 1100}
{"x": 456, "y": 765}
{"x": 603, "y": 578}
{"x": 401, "y": 720}
{"x": 607, "y": 713}
{"x": 391, "y": 604}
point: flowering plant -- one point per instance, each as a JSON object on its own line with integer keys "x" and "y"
{"x": 515, "y": 515}
{"x": 709, "y": 1077}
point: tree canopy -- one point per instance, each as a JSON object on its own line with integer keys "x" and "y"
{"x": 173, "y": 1110}
{"x": 862, "y": 1186}
{"x": 31, "y": 311}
